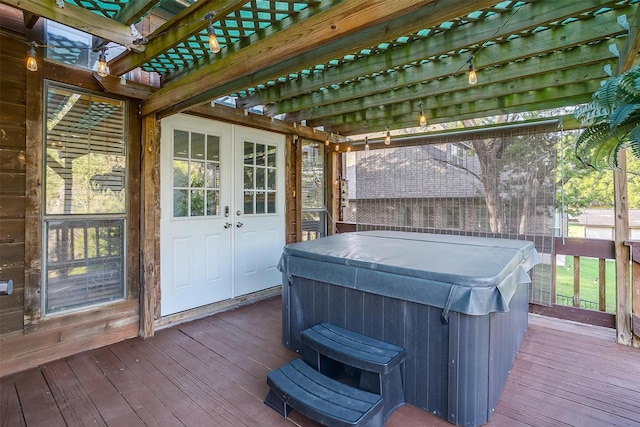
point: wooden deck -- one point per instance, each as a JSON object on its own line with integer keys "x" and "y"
{"x": 211, "y": 372}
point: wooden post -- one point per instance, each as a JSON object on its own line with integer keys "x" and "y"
{"x": 333, "y": 192}
{"x": 34, "y": 148}
{"x": 635, "y": 290}
{"x": 576, "y": 281}
{"x": 293, "y": 216}
{"x": 150, "y": 225}
{"x": 623, "y": 297}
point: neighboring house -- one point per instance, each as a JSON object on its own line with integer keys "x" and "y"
{"x": 599, "y": 223}
{"x": 431, "y": 186}
{"x": 438, "y": 187}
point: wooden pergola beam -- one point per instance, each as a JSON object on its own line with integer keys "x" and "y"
{"x": 374, "y": 120}
{"x": 343, "y": 28}
{"x": 629, "y": 53}
{"x": 176, "y": 30}
{"x": 133, "y": 10}
{"x": 537, "y": 14}
{"x": 534, "y": 71}
{"x": 79, "y": 18}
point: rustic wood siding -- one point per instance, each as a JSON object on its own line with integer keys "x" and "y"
{"x": 12, "y": 166}
{"x": 27, "y": 338}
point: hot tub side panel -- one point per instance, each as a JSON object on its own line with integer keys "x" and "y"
{"x": 455, "y": 370}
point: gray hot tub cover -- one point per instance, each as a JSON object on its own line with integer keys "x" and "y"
{"x": 470, "y": 275}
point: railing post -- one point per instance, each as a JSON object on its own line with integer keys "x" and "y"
{"x": 602, "y": 284}
{"x": 635, "y": 290}
{"x": 576, "y": 281}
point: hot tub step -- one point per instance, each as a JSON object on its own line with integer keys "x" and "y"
{"x": 353, "y": 349}
{"x": 297, "y": 385}
{"x": 335, "y": 351}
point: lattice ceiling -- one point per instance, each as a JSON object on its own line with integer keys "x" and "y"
{"x": 384, "y": 58}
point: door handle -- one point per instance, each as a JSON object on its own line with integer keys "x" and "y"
{"x": 227, "y": 224}
{"x": 239, "y": 224}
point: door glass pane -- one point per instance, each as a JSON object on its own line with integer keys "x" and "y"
{"x": 260, "y": 184}
{"x": 248, "y": 202}
{"x": 260, "y": 154}
{"x": 197, "y": 146}
{"x": 271, "y": 202}
{"x": 196, "y": 174}
{"x": 258, "y": 177}
{"x": 213, "y": 202}
{"x": 213, "y": 176}
{"x": 197, "y": 203}
{"x": 271, "y": 179}
{"x": 260, "y": 202}
{"x": 248, "y": 153}
{"x": 248, "y": 178}
{"x": 180, "y": 144}
{"x": 271, "y": 161}
{"x": 213, "y": 148}
{"x": 180, "y": 199}
{"x": 180, "y": 173}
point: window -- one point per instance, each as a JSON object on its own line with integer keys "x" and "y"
{"x": 451, "y": 218}
{"x": 428, "y": 216}
{"x": 74, "y": 47}
{"x": 196, "y": 174}
{"x": 405, "y": 216}
{"x": 314, "y": 223}
{"x": 85, "y": 199}
{"x": 259, "y": 178}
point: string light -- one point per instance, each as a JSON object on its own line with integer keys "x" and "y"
{"x": 214, "y": 46}
{"x": 422, "y": 119}
{"x": 387, "y": 139}
{"x": 32, "y": 64}
{"x": 103, "y": 70}
{"x": 473, "y": 76}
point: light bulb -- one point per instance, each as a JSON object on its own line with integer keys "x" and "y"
{"x": 366, "y": 143}
{"x": 422, "y": 119}
{"x": 337, "y": 147}
{"x": 214, "y": 46}
{"x": 387, "y": 139}
{"x": 32, "y": 64}
{"x": 103, "y": 71}
{"x": 473, "y": 77}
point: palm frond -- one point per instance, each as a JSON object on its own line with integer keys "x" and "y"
{"x": 634, "y": 141}
{"x": 622, "y": 113}
{"x": 598, "y": 145}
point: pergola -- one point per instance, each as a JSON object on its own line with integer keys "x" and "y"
{"x": 361, "y": 66}
{"x": 358, "y": 66}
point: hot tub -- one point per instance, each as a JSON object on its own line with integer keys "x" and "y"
{"x": 458, "y": 305}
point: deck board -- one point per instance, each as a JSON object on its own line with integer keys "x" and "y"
{"x": 212, "y": 371}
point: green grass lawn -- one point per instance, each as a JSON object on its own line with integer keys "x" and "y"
{"x": 588, "y": 282}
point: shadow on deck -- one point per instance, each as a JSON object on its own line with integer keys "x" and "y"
{"x": 212, "y": 372}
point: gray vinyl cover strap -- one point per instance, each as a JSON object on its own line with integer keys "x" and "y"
{"x": 470, "y": 275}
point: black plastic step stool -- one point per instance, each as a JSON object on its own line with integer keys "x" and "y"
{"x": 327, "y": 401}
{"x": 379, "y": 366}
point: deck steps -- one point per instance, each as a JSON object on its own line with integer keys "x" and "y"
{"x": 332, "y": 357}
{"x": 325, "y": 400}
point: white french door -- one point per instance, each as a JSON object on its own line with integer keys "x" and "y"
{"x": 259, "y": 209}
{"x": 222, "y": 211}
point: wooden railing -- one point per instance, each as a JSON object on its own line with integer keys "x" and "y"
{"x": 602, "y": 250}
